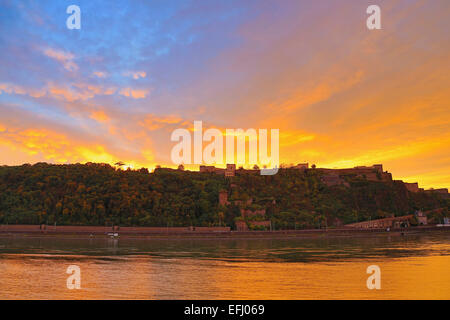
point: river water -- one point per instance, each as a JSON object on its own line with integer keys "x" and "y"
{"x": 412, "y": 267}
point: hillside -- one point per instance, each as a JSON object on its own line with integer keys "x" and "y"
{"x": 98, "y": 194}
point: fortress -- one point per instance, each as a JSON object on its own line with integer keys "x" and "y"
{"x": 229, "y": 171}
{"x": 375, "y": 172}
{"x": 330, "y": 177}
{"x": 254, "y": 217}
{"x": 414, "y": 187}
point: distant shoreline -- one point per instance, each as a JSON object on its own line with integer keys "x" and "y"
{"x": 80, "y": 232}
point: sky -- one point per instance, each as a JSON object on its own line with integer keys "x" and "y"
{"x": 340, "y": 94}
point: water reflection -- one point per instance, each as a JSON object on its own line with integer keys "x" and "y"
{"x": 412, "y": 267}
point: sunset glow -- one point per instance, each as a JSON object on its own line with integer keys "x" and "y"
{"x": 341, "y": 95}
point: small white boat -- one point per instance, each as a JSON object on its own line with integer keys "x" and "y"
{"x": 113, "y": 234}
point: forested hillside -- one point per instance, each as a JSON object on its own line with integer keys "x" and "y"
{"x": 98, "y": 194}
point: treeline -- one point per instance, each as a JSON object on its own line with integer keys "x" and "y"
{"x": 98, "y": 194}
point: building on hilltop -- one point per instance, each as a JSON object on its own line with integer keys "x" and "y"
{"x": 439, "y": 191}
{"x": 159, "y": 169}
{"x": 333, "y": 180}
{"x": 373, "y": 173}
{"x": 242, "y": 171}
{"x": 207, "y": 169}
{"x": 230, "y": 171}
{"x": 301, "y": 166}
{"x": 378, "y": 167}
{"x": 329, "y": 176}
{"x": 412, "y": 187}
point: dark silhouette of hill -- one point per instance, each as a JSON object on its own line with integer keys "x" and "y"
{"x": 98, "y": 194}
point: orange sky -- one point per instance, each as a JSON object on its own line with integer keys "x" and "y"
{"x": 340, "y": 94}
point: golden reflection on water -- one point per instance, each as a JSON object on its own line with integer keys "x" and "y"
{"x": 424, "y": 275}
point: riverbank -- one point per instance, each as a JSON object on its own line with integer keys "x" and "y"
{"x": 200, "y": 232}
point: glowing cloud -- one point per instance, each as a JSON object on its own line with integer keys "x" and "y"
{"x": 100, "y": 74}
{"x": 65, "y": 58}
{"x": 134, "y": 93}
{"x": 135, "y": 74}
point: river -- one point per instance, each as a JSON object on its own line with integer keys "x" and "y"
{"x": 412, "y": 267}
